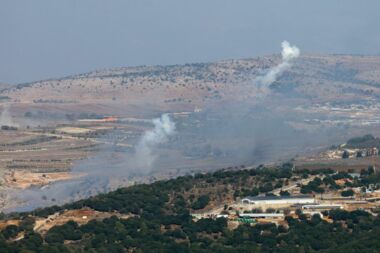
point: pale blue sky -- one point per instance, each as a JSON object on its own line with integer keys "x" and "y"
{"x": 42, "y": 39}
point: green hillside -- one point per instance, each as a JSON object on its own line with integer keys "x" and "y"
{"x": 161, "y": 220}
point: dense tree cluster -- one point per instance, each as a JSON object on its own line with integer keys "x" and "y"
{"x": 366, "y": 141}
{"x": 313, "y": 186}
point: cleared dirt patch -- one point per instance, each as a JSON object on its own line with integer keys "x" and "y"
{"x": 73, "y": 130}
{"x": 26, "y": 179}
{"x": 5, "y": 223}
{"x": 80, "y": 216}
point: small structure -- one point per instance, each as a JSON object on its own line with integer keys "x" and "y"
{"x": 246, "y": 220}
{"x": 261, "y": 215}
{"x": 353, "y": 175}
{"x": 321, "y": 207}
{"x": 371, "y": 151}
{"x": 279, "y": 200}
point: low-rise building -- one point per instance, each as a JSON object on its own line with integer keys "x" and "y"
{"x": 371, "y": 151}
{"x": 322, "y": 207}
{"x": 278, "y": 200}
{"x": 261, "y": 215}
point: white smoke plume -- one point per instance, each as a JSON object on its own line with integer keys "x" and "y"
{"x": 145, "y": 149}
{"x": 5, "y": 116}
{"x": 97, "y": 173}
{"x": 288, "y": 53}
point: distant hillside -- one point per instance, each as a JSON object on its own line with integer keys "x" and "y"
{"x": 322, "y": 77}
{"x": 366, "y": 141}
{"x": 5, "y": 86}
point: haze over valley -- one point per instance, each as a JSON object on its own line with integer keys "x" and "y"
{"x": 189, "y": 126}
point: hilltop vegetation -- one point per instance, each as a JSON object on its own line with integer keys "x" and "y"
{"x": 162, "y": 220}
{"x": 365, "y": 141}
{"x": 330, "y": 78}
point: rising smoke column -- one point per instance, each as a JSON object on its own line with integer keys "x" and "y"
{"x": 288, "y": 53}
{"x": 5, "y": 116}
{"x": 145, "y": 149}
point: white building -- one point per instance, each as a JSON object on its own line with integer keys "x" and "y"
{"x": 277, "y": 200}
{"x": 261, "y": 215}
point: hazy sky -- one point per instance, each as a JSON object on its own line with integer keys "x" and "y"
{"x": 42, "y": 39}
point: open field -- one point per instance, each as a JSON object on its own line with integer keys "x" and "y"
{"x": 25, "y": 179}
{"x": 354, "y": 164}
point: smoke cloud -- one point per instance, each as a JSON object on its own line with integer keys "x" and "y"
{"x": 5, "y": 117}
{"x": 100, "y": 173}
{"x": 288, "y": 53}
{"x": 163, "y": 128}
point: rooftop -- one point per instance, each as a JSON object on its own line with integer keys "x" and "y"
{"x": 257, "y": 215}
{"x": 256, "y": 198}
